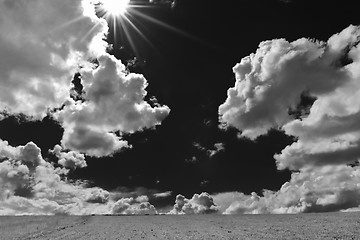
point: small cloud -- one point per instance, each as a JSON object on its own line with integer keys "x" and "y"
{"x": 163, "y": 194}
{"x": 138, "y": 193}
{"x": 204, "y": 183}
{"x": 218, "y": 147}
{"x": 98, "y": 195}
{"x": 133, "y": 207}
{"x": 171, "y": 3}
{"x": 207, "y": 122}
{"x": 199, "y": 146}
{"x": 191, "y": 160}
{"x": 142, "y": 198}
{"x": 69, "y": 159}
{"x": 198, "y": 204}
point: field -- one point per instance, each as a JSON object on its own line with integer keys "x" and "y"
{"x": 302, "y": 226}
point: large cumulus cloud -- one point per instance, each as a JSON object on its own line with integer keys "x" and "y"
{"x": 64, "y": 38}
{"x": 114, "y": 102}
{"x": 269, "y": 85}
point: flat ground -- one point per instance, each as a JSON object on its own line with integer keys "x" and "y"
{"x": 302, "y": 226}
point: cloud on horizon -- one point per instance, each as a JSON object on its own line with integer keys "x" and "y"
{"x": 31, "y": 185}
{"x": 134, "y": 206}
{"x": 198, "y": 204}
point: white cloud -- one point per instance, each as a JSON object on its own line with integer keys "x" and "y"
{"x": 218, "y": 147}
{"x": 62, "y": 38}
{"x": 31, "y": 185}
{"x": 225, "y": 199}
{"x": 142, "y": 198}
{"x": 269, "y": 83}
{"x": 163, "y": 194}
{"x": 39, "y": 43}
{"x": 93, "y": 142}
{"x": 97, "y": 195}
{"x": 330, "y": 188}
{"x": 114, "y": 102}
{"x": 198, "y": 204}
{"x": 69, "y": 159}
{"x": 133, "y": 206}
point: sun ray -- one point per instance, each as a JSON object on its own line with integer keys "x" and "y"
{"x": 140, "y": 33}
{"x": 124, "y": 15}
{"x": 68, "y": 23}
{"x": 128, "y": 37}
{"x": 89, "y": 32}
{"x": 163, "y": 24}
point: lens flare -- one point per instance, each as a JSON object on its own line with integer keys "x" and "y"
{"x": 115, "y": 8}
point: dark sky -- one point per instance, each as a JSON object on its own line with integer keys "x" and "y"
{"x": 187, "y": 61}
{"x": 191, "y": 75}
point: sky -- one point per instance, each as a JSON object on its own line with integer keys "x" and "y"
{"x": 179, "y": 107}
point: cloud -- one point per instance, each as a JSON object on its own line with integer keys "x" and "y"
{"x": 31, "y": 185}
{"x": 171, "y": 3}
{"x": 97, "y": 195}
{"x": 218, "y": 147}
{"x": 140, "y": 194}
{"x": 198, "y": 204}
{"x": 325, "y": 189}
{"x": 69, "y": 159}
{"x": 193, "y": 159}
{"x": 271, "y": 81}
{"x": 163, "y": 194}
{"x": 225, "y": 199}
{"x": 114, "y": 102}
{"x": 138, "y": 206}
{"x": 36, "y": 75}
{"x": 64, "y": 38}
{"x": 326, "y": 152}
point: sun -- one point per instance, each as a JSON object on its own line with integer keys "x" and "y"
{"x": 115, "y": 8}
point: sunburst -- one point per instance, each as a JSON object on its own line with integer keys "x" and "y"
{"x": 115, "y": 8}
{"x": 120, "y": 14}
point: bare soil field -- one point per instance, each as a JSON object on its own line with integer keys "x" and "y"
{"x": 301, "y": 226}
